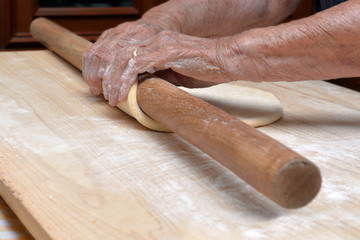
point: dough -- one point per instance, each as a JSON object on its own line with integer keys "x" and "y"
{"x": 254, "y": 107}
{"x": 131, "y": 107}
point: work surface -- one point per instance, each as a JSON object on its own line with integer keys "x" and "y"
{"x": 72, "y": 167}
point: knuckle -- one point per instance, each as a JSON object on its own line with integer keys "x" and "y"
{"x": 107, "y": 60}
{"x": 105, "y": 34}
{"x": 90, "y": 52}
{"x": 102, "y": 51}
{"x": 99, "y": 54}
{"x": 124, "y": 28}
{"x": 120, "y": 43}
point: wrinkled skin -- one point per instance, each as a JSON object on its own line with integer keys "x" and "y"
{"x": 187, "y": 55}
{"x": 102, "y": 58}
{"x": 209, "y": 41}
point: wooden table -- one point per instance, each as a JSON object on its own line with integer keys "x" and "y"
{"x": 72, "y": 167}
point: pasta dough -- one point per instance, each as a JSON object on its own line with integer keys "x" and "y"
{"x": 131, "y": 107}
{"x": 254, "y": 107}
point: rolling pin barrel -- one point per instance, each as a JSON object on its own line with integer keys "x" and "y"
{"x": 279, "y": 173}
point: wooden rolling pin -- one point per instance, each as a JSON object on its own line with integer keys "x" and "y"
{"x": 273, "y": 169}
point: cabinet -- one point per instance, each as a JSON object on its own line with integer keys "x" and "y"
{"x": 88, "y": 21}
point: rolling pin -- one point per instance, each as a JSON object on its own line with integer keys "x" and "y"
{"x": 276, "y": 171}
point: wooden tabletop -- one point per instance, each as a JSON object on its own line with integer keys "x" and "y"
{"x": 72, "y": 167}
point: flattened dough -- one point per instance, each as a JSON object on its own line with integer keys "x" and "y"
{"x": 255, "y": 107}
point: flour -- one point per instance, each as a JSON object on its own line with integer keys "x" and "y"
{"x": 336, "y": 196}
{"x": 16, "y": 60}
{"x": 254, "y": 234}
{"x": 32, "y": 137}
{"x": 100, "y": 165}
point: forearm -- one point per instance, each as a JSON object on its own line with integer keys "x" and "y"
{"x": 323, "y": 46}
{"x": 219, "y": 18}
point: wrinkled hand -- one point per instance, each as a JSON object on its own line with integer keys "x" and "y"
{"x": 114, "y": 63}
{"x": 102, "y": 54}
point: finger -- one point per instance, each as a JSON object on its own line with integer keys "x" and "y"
{"x": 112, "y": 47}
{"x": 112, "y": 67}
{"x": 92, "y": 60}
{"x": 108, "y": 75}
{"x": 102, "y": 54}
{"x": 90, "y": 72}
{"x": 109, "y": 51}
{"x": 120, "y": 89}
{"x": 116, "y": 85}
{"x": 135, "y": 59}
{"x": 134, "y": 67}
{"x": 112, "y": 74}
{"x": 123, "y": 92}
{"x": 108, "y": 57}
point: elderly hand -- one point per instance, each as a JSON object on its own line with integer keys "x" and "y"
{"x": 103, "y": 53}
{"x": 121, "y": 54}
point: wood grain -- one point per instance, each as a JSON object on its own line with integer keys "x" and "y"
{"x": 276, "y": 171}
{"x": 68, "y": 171}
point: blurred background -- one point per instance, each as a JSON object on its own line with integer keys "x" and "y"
{"x": 84, "y": 3}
